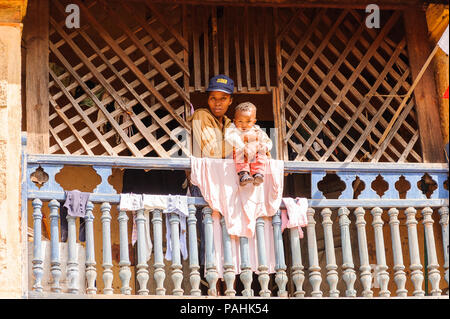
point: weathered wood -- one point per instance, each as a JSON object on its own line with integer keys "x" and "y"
{"x": 107, "y": 257}
{"x": 177, "y": 273}
{"x": 315, "y": 276}
{"x": 215, "y": 40}
{"x": 434, "y": 275}
{"x": 124, "y": 263}
{"x": 237, "y": 50}
{"x": 118, "y": 50}
{"x": 229, "y": 275}
{"x": 414, "y": 255}
{"x": 142, "y": 267}
{"x": 298, "y": 275}
{"x": 349, "y": 274}
{"x": 159, "y": 273}
{"x": 91, "y": 272}
{"x": 38, "y": 261}
{"x": 399, "y": 275}
{"x": 36, "y": 37}
{"x": 194, "y": 276}
{"x": 210, "y": 265}
{"x": 332, "y": 275}
{"x": 425, "y": 94}
{"x": 205, "y": 31}
{"x": 263, "y": 267}
{"x": 196, "y": 49}
{"x": 443, "y": 212}
{"x": 365, "y": 275}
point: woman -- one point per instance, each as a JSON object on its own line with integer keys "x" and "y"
{"x": 209, "y": 124}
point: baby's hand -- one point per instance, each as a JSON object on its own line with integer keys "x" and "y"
{"x": 250, "y": 136}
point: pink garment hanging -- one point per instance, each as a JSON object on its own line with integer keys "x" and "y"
{"x": 295, "y": 214}
{"x": 240, "y": 206}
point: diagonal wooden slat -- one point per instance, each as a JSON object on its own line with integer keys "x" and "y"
{"x": 68, "y": 67}
{"x": 309, "y": 32}
{"x": 376, "y": 118}
{"x": 163, "y": 44}
{"x": 84, "y": 117}
{"x": 326, "y": 80}
{"x": 119, "y": 51}
{"x": 163, "y": 21}
{"x": 133, "y": 92}
{"x": 362, "y": 106}
{"x": 379, "y": 153}
{"x": 362, "y": 64}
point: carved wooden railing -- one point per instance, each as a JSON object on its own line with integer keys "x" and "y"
{"x": 367, "y": 203}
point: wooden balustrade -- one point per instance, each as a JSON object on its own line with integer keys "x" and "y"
{"x": 394, "y": 216}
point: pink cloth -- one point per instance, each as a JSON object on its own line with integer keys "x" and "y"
{"x": 236, "y": 251}
{"x": 240, "y": 206}
{"x": 295, "y": 214}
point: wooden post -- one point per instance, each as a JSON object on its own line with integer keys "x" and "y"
{"x": 37, "y": 76}
{"x": 425, "y": 93}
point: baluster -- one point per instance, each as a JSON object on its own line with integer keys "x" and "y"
{"x": 349, "y": 274}
{"x": 298, "y": 276}
{"x": 366, "y": 277}
{"x": 315, "y": 277}
{"x": 399, "y": 275}
{"x": 142, "y": 271}
{"x": 383, "y": 275}
{"x": 228, "y": 267}
{"x": 124, "y": 263}
{"x": 263, "y": 268}
{"x": 443, "y": 211}
{"x": 177, "y": 273}
{"x": 38, "y": 266}
{"x": 211, "y": 270}
{"x": 246, "y": 270}
{"x": 415, "y": 266}
{"x": 193, "y": 252}
{"x": 72, "y": 260}
{"x": 107, "y": 257}
{"x": 54, "y": 238}
{"x": 91, "y": 272}
{"x": 332, "y": 275}
{"x": 433, "y": 266}
{"x": 280, "y": 267}
{"x": 159, "y": 274}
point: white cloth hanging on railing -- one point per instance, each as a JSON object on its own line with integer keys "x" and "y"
{"x": 295, "y": 214}
{"x": 133, "y": 202}
{"x": 170, "y": 204}
{"x": 177, "y": 204}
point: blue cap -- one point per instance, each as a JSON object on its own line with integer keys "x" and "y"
{"x": 221, "y": 83}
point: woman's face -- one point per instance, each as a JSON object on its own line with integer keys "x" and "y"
{"x": 218, "y": 103}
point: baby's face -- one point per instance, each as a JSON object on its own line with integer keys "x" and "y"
{"x": 244, "y": 120}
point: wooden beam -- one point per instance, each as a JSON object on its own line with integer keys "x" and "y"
{"x": 37, "y": 76}
{"x": 425, "y": 93}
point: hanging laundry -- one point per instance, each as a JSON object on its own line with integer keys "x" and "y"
{"x": 240, "y": 206}
{"x": 295, "y": 214}
{"x": 74, "y": 205}
{"x": 133, "y": 202}
{"x": 170, "y": 204}
{"x": 178, "y": 205}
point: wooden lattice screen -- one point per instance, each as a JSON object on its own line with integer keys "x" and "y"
{"x": 341, "y": 84}
{"x": 117, "y": 83}
{"x": 121, "y": 83}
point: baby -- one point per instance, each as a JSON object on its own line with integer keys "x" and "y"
{"x": 250, "y": 145}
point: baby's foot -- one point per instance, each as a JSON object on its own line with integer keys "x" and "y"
{"x": 258, "y": 179}
{"x": 244, "y": 178}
